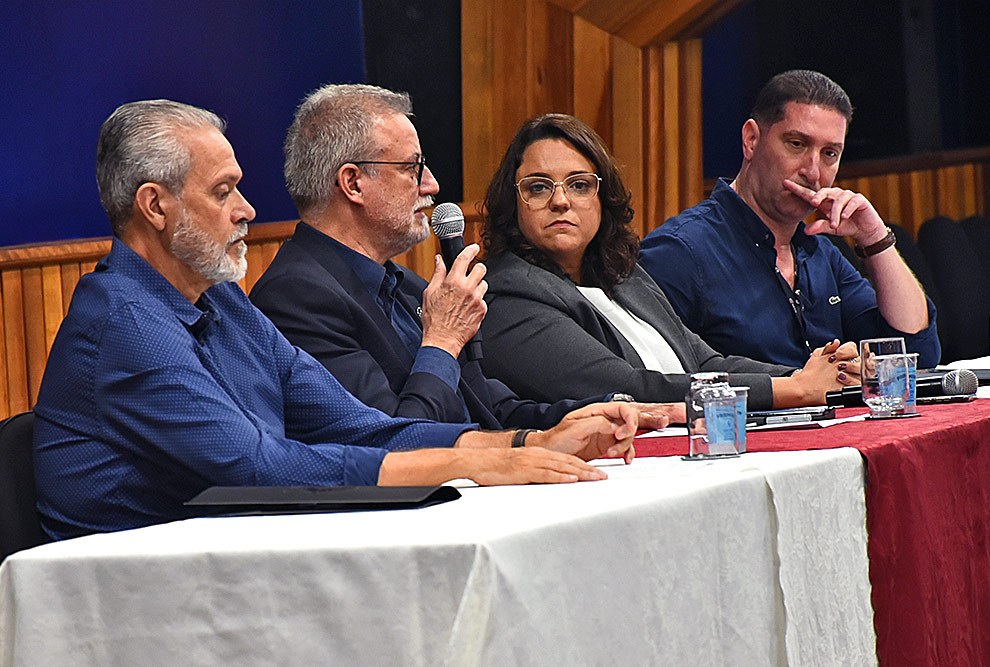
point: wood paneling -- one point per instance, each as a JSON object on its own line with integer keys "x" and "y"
{"x": 911, "y": 191}
{"x": 644, "y": 102}
{"x": 650, "y": 22}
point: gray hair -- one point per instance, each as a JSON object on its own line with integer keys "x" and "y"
{"x": 802, "y": 86}
{"x": 334, "y": 125}
{"x": 139, "y": 144}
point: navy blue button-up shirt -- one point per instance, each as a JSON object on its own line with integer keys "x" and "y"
{"x": 717, "y": 264}
{"x": 148, "y": 399}
{"x": 383, "y": 283}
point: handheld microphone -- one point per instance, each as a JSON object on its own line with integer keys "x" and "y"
{"x": 958, "y": 382}
{"x": 448, "y": 224}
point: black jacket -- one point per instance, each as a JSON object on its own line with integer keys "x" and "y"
{"x": 545, "y": 340}
{"x": 319, "y": 304}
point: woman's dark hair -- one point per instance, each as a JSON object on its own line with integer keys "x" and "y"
{"x": 611, "y": 256}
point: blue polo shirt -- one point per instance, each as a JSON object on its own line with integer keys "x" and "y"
{"x": 717, "y": 264}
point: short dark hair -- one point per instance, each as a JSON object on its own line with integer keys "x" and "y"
{"x": 611, "y": 256}
{"x": 803, "y": 86}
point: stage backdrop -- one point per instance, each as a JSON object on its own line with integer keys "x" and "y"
{"x": 64, "y": 67}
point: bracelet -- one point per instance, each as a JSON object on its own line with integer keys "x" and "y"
{"x": 623, "y": 398}
{"x": 877, "y": 247}
{"x": 519, "y": 437}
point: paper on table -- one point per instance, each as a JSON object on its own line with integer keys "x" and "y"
{"x": 973, "y": 364}
{"x": 665, "y": 432}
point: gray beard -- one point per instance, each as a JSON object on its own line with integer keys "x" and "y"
{"x": 206, "y": 257}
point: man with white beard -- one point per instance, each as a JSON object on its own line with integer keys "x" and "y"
{"x": 164, "y": 380}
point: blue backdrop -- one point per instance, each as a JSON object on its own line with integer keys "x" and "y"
{"x": 64, "y": 67}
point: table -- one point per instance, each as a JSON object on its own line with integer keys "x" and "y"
{"x": 928, "y": 518}
{"x": 759, "y": 560}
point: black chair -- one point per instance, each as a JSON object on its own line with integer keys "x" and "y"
{"x": 977, "y": 228}
{"x": 20, "y": 525}
{"x": 963, "y": 285}
{"x": 916, "y": 261}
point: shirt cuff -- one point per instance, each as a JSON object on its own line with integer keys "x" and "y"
{"x": 361, "y": 465}
{"x": 438, "y": 362}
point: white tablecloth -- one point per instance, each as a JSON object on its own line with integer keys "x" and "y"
{"x": 758, "y": 560}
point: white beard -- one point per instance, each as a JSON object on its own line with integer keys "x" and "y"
{"x": 206, "y": 257}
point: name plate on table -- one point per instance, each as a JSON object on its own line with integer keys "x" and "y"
{"x": 253, "y": 500}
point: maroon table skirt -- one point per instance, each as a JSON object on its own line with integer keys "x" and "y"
{"x": 928, "y": 520}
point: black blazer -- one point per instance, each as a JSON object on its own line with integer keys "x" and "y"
{"x": 545, "y": 340}
{"x": 320, "y": 304}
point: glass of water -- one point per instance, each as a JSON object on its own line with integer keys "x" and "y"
{"x": 884, "y": 375}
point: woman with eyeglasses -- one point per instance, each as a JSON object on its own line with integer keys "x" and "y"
{"x": 571, "y": 313}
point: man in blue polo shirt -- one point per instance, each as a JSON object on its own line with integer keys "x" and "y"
{"x": 744, "y": 272}
{"x": 164, "y": 380}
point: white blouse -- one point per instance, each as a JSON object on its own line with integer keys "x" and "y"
{"x": 652, "y": 348}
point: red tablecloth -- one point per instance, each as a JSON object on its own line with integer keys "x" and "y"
{"x": 928, "y": 519}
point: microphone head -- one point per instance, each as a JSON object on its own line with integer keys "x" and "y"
{"x": 447, "y": 220}
{"x": 960, "y": 381}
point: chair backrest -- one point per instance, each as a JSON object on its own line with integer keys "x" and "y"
{"x": 915, "y": 259}
{"x": 20, "y": 525}
{"x": 963, "y": 289}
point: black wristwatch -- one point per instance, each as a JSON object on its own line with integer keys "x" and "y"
{"x": 519, "y": 437}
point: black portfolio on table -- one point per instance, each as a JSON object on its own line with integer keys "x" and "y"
{"x": 252, "y": 500}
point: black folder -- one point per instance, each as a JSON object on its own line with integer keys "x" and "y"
{"x": 252, "y": 500}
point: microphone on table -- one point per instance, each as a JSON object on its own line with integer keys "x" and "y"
{"x": 957, "y": 382}
{"x": 448, "y": 224}
{"x": 957, "y": 385}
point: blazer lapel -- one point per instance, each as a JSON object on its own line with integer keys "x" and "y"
{"x": 644, "y": 300}
{"x": 324, "y": 255}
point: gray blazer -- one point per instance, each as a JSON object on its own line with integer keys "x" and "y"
{"x": 546, "y": 341}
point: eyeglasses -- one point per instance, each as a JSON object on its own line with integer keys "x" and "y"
{"x": 536, "y": 191}
{"x": 420, "y": 165}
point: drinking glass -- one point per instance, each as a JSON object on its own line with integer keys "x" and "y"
{"x": 881, "y": 360}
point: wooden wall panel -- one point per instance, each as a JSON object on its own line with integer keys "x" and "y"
{"x": 650, "y": 215}
{"x": 672, "y": 137}
{"x": 14, "y": 342}
{"x": 644, "y": 102}
{"x": 689, "y": 131}
{"x": 477, "y": 95}
{"x": 592, "y": 53}
{"x": 627, "y": 119}
{"x": 669, "y": 78}
{"x": 550, "y": 63}
{"x": 34, "y": 328}
{"x": 4, "y": 374}
{"x": 512, "y": 75}
{"x": 909, "y": 198}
